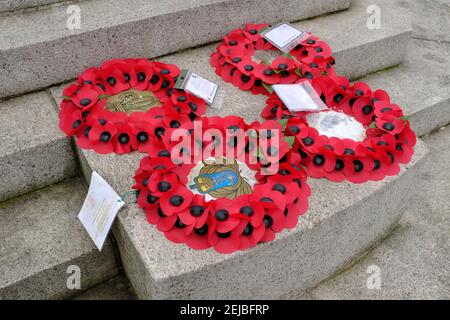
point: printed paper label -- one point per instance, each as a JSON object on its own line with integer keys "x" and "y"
{"x": 285, "y": 36}
{"x": 99, "y": 209}
{"x": 201, "y": 87}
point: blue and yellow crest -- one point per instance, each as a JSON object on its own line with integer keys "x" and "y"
{"x": 221, "y": 179}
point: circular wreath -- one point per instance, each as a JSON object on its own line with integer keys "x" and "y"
{"x": 225, "y": 223}
{"x": 389, "y": 139}
{"x": 235, "y": 63}
{"x": 125, "y": 105}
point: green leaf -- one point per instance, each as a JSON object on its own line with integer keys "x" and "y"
{"x": 268, "y": 87}
{"x": 299, "y": 72}
{"x": 290, "y": 140}
{"x": 405, "y": 118}
{"x": 283, "y": 123}
{"x": 288, "y": 55}
{"x": 267, "y": 61}
{"x": 373, "y": 125}
{"x": 103, "y": 96}
{"x": 262, "y": 30}
{"x": 66, "y": 98}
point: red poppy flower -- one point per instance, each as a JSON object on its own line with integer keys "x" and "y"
{"x": 71, "y": 119}
{"x": 390, "y": 124}
{"x": 134, "y": 131}
{"x": 178, "y": 199}
{"x": 252, "y": 30}
{"x": 102, "y": 138}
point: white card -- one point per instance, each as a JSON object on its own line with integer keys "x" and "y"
{"x": 284, "y": 36}
{"x": 201, "y": 87}
{"x": 299, "y": 97}
{"x": 99, "y": 209}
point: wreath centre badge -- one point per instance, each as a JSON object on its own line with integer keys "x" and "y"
{"x": 221, "y": 178}
{"x": 132, "y": 101}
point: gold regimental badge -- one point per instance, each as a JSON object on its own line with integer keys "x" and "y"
{"x": 131, "y": 101}
{"x": 221, "y": 179}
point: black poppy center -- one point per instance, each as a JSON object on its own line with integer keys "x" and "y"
{"x": 176, "y": 200}
{"x": 142, "y": 136}
{"x": 221, "y": 215}
{"x": 196, "y": 211}
{"x": 164, "y": 186}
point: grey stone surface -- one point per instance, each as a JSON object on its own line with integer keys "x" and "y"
{"x": 415, "y": 259}
{"x": 11, "y": 5}
{"x": 431, "y": 19}
{"x": 343, "y": 221}
{"x": 118, "y": 288}
{"x": 33, "y": 151}
{"x": 41, "y": 237}
{"x": 421, "y": 85}
{"x": 37, "y": 49}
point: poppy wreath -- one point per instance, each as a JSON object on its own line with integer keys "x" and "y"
{"x": 388, "y": 142}
{"x": 274, "y": 203}
{"x": 125, "y": 105}
{"x": 234, "y": 60}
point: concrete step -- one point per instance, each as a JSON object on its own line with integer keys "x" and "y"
{"x": 13, "y": 5}
{"x": 33, "y": 151}
{"x": 343, "y": 221}
{"x": 421, "y": 85}
{"x": 37, "y": 49}
{"x": 118, "y": 288}
{"x": 414, "y": 260}
{"x": 42, "y": 237}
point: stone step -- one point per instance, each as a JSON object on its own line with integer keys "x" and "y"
{"x": 13, "y": 5}
{"x": 358, "y": 51}
{"x": 118, "y": 288}
{"x": 42, "y": 237}
{"x": 33, "y": 151}
{"x": 421, "y": 85}
{"x": 37, "y": 49}
{"x": 413, "y": 261}
{"x": 343, "y": 221}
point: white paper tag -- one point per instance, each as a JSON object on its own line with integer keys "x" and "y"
{"x": 284, "y": 36}
{"x": 299, "y": 97}
{"x": 99, "y": 209}
{"x": 201, "y": 87}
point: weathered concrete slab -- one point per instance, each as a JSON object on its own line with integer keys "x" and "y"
{"x": 431, "y": 19}
{"x": 33, "y": 151}
{"x": 12, "y": 5}
{"x": 343, "y": 221}
{"x": 118, "y": 288}
{"x": 42, "y": 237}
{"x": 414, "y": 260}
{"x": 37, "y": 49}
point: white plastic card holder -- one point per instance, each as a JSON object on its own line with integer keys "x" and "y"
{"x": 299, "y": 97}
{"x": 285, "y": 36}
{"x": 99, "y": 209}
